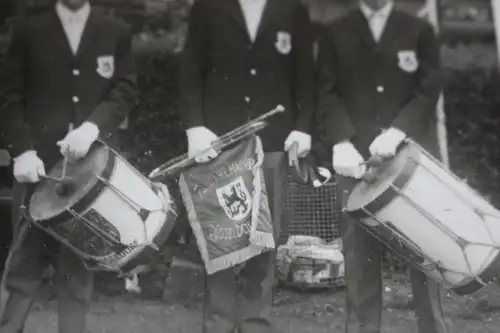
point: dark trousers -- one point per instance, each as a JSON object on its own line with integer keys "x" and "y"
{"x": 241, "y": 300}
{"x": 31, "y": 252}
{"x": 363, "y": 276}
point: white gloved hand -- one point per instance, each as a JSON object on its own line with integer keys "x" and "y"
{"x": 347, "y": 161}
{"x": 77, "y": 142}
{"x": 28, "y": 167}
{"x": 303, "y": 141}
{"x": 385, "y": 144}
{"x": 200, "y": 139}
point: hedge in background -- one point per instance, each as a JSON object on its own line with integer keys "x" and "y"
{"x": 473, "y": 124}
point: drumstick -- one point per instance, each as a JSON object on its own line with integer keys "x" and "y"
{"x": 65, "y": 161}
{"x": 372, "y": 163}
{"x": 374, "y": 160}
{"x": 55, "y": 179}
{"x": 293, "y": 156}
{"x": 309, "y": 173}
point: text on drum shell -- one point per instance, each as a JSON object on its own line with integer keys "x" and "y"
{"x": 112, "y": 258}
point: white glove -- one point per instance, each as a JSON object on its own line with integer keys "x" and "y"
{"x": 199, "y": 139}
{"x": 385, "y": 144}
{"x": 347, "y": 161}
{"x": 28, "y": 167}
{"x": 77, "y": 142}
{"x": 303, "y": 141}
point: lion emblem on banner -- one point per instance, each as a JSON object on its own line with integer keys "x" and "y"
{"x": 235, "y": 199}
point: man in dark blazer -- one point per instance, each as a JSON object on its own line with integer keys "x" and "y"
{"x": 69, "y": 65}
{"x": 241, "y": 59}
{"x": 379, "y": 82}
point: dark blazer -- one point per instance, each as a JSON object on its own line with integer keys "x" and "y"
{"x": 363, "y": 89}
{"x": 226, "y": 79}
{"x": 47, "y": 87}
{"x": 6, "y": 11}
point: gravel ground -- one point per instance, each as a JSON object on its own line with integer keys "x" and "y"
{"x": 180, "y": 310}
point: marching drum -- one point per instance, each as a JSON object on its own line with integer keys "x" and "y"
{"x": 431, "y": 218}
{"x": 104, "y": 211}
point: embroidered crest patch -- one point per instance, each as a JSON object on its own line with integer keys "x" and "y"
{"x": 235, "y": 199}
{"x": 408, "y": 61}
{"x": 106, "y": 66}
{"x": 283, "y": 42}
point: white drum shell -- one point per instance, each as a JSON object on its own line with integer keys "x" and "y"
{"x": 451, "y": 224}
{"x": 126, "y": 193}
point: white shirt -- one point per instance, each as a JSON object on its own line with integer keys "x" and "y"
{"x": 252, "y": 11}
{"x": 377, "y": 20}
{"x": 73, "y": 23}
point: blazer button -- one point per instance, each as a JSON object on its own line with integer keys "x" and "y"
{"x": 380, "y": 89}
{"x": 247, "y": 99}
{"x": 76, "y": 72}
{"x": 75, "y": 99}
{"x": 253, "y": 72}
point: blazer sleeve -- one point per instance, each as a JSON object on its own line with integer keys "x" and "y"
{"x": 18, "y": 137}
{"x": 192, "y": 68}
{"x": 122, "y": 97}
{"x": 414, "y": 117}
{"x": 338, "y": 125}
{"x": 303, "y": 69}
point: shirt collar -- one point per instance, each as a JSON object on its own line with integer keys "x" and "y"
{"x": 68, "y": 16}
{"x": 382, "y": 12}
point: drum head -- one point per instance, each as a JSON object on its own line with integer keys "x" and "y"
{"x": 396, "y": 171}
{"x": 48, "y": 202}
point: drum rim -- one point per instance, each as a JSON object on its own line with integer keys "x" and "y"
{"x": 158, "y": 240}
{"x": 400, "y": 182}
{"x": 86, "y": 201}
{"x": 488, "y": 275}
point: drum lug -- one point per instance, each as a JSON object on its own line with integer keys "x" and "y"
{"x": 462, "y": 242}
{"x": 144, "y": 214}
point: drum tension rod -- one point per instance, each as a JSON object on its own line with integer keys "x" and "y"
{"x": 141, "y": 211}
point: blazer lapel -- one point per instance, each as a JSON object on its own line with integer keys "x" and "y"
{"x": 90, "y": 32}
{"x": 391, "y": 29}
{"x": 270, "y": 12}
{"x": 59, "y": 35}
{"x": 362, "y": 29}
{"x": 234, "y": 10}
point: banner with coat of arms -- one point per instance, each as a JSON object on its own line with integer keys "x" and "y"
{"x": 227, "y": 205}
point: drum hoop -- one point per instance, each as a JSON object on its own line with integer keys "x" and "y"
{"x": 159, "y": 239}
{"x": 390, "y": 193}
{"x": 489, "y": 275}
{"x": 87, "y": 200}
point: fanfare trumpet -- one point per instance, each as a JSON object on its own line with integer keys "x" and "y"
{"x": 184, "y": 161}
